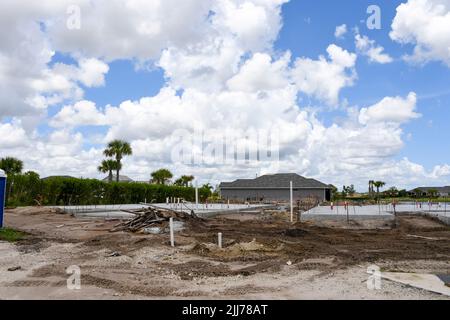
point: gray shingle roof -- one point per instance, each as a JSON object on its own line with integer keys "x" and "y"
{"x": 122, "y": 178}
{"x": 275, "y": 181}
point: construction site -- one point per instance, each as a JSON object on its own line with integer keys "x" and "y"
{"x": 225, "y": 150}
{"x": 180, "y": 250}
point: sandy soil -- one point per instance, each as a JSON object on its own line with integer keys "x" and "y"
{"x": 264, "y": 257}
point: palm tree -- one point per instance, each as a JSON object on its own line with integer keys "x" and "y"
{"x": 161, "y": 176}
{"x": 184, "y": 181}
{"x": 108, "y": 166}
{"x": 208, "y": 186}
{"x": 378, "y": 185}
{"x": 117, "y": 149}
{"x": 11, "y": 165}
{"x": 371, "y": 182}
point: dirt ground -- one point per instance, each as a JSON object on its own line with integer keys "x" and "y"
{"x": 264, "y": 257}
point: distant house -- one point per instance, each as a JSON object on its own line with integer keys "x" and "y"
{"x": 275, "y": 188}
{"x": 142, "y": 181}
{"x": 122, "y": 178}
{"x": 426, "y": 191}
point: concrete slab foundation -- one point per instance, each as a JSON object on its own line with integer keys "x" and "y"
{"x": 340, "y": 213}
{"x": 120, "y": 211}
{"x": 101, "y": 211}
{"x": 429, "y": 282}
{"x": 377, "y": 212}
{"x": 212, "y": 209}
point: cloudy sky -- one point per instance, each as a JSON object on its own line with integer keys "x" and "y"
{"x": 349, "y": 101}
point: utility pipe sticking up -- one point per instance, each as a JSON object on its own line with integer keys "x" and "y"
{"x": 172, "y": 237}
{"x": 219, "y": 240}
{"x": 292, "y": 202}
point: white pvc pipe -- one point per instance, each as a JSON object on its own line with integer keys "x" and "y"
{"x": 196, "y": 196}
{"x": 172, "y": 237}
{"x": 3, "y": 178}
{"x": 292, "y": 202}
{"x": 219, "y": 238}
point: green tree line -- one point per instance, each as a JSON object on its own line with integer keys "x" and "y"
{"x": 28, "y": 189}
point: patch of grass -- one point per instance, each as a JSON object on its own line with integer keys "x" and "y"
{"x": 11, "y": 235}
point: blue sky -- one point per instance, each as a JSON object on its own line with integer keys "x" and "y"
{"x": 65, "y": 91}
{"x": 308, "y": 28}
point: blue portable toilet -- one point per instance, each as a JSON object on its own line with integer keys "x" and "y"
{"x": 2, "y": 195}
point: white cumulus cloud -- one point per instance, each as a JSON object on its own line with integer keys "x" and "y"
{"x": 340, "y": 31}
{"x": 391, "y": 110}
{"x": 324, "y": 78}
{"x": 259, "y": 73}
{"x": 369, "y": 48}
{"x": 426, "y": 25}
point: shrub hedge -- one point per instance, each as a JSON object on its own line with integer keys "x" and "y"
{"x": 29, "y": 189}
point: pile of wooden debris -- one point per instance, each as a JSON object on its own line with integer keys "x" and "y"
{"x": 151, "y": 218}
